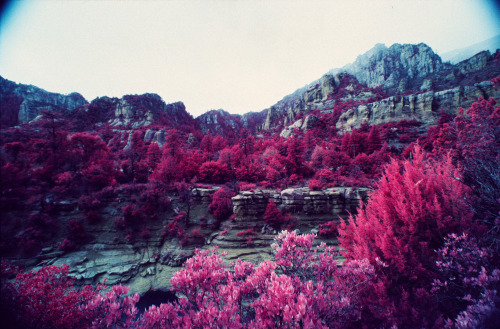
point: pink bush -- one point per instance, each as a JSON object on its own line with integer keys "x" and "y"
{"x": 221, "y": 206}
{"x": 315, "y": 185}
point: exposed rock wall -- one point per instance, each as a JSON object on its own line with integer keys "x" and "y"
{"x": 333, "y": 202}
{"x": 35, "y": 99}
{"x": 475, "y": 63}
{"x": 142, "y": 110}
{"x": 306, "y": 124}
{"x": 424, "y": 107}
{"x": 398, "y": 68}
{"x": 220, "y": 122}
{"x": 149, "y": 265}
{"x": 309, "y": 208}
{"x": 316, "y": 95}
{"x": 143, "y": 265}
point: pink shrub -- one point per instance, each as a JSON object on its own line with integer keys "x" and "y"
{"x": 316, "y": 185}
{"x": 221, "y": 206}
{"x": 328, "y": 229}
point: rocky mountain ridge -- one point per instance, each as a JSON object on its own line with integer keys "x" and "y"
{"x": 384, "y": 73}
{"x": 457, "y": 55}
{"x": 22, "y": 103}
{"x": 423, "y": 107}
{"x": 381, "y": 73}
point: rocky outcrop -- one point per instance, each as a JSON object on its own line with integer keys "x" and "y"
{"x": 305, "y": 125}
{"x": 424, "y": 107}
{"x": 142, "y": 110}
{"x": 149, "y": 265}
{"x": 220, "y": 122}
{"x": 317, "y": 95}
{"x": 33, "y": 100}
{"x": 253, "y": 120}
{"x": 476, "y": 63}
{"x": 272, "y": 118}
{"x": 291, "y": 104}
{"x": 333, "y": 202}
{"x": 142, "y": 265}
{"x": 398, "y": 68}
{"x": 155, "y": 136}
{"x": 287, "y": 131}
{"x": 307, "y": 210}
{"x": 125, "y": 114}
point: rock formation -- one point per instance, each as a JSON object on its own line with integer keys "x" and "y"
{"x": 397, "y": 70}
{"x": 407, "y": 65}
{"x": 424, "y": 107}
{"x": 149, "y": 265}
{"x": 34, "y": 99}
{"x": 219, "y": 122}
{"x": 305, "y": 125}
{"x": 142, "y": 110}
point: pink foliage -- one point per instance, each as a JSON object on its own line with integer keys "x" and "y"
{"x": 273, "y": 215}
{"x": 47, "y": 299}
{"x": 311, "y": 291}
{"x": 415, "y": 205}
{"x": 466, "y": 273}
{"x": 328, "y": 229}
{"x": 221, "y": 206}
{"x": 316, "y": 185}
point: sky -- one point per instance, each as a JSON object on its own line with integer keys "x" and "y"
{"x": 240, "y": 56}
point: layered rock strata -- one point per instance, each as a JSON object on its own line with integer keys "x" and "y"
{"x": 307, "y": 210}
{"x": 149, "y": 265}
{"x": 424, "y": 107}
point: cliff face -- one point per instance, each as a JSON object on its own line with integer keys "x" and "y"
{"x": 23, "y": 103}
{"x": 424, "y": 107}
{"x": 310, "y": 209}
{"x": 400, "y": 69}
{"x": 331, "y": 203}
{"x": 32, "y": 100}
{"x": 149, "y": 264}
{"x": 219, "y": 122}
{"x": 142, "y": 110}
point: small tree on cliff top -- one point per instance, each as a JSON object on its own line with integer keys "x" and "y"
{"x": 273, "y": 216}
{"x": 221, "y": 206}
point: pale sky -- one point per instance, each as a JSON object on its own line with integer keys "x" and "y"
{"x": 240, "y": 56}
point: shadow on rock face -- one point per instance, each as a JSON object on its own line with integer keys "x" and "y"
{"x": 155, "y": 297}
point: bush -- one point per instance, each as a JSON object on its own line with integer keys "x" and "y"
{"x": 416, "y": 204}
{"x": 298, "y": 289}
{"x": 328, "y": 230}
{"x": 221, "y": 206}
{"x": 315, "y": 185}
{"x": 132, "y": 215}
{"x": 273, "y": 215}
{"x": 92, "y": 216}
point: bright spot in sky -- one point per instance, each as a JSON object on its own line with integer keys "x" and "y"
{"x": 240, "y": 56}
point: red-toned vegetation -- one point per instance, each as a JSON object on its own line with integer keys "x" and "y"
{"x": 421, "y": 252}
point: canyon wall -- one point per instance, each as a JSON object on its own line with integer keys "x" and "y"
{"x": 149, "y": 264}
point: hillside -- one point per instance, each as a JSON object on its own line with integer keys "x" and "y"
{"x": 127, "y": 189}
